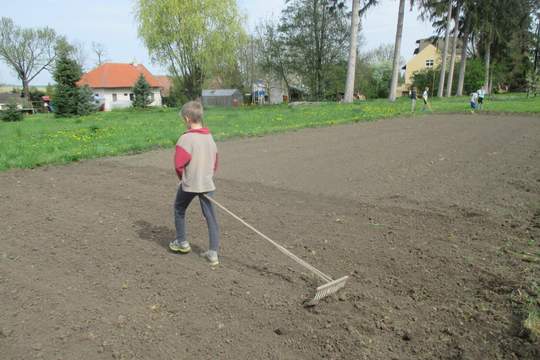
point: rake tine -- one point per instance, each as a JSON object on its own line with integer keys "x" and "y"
{"x": 326, "y": 290}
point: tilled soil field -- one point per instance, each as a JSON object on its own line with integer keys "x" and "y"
{"x": 432, "y": 218}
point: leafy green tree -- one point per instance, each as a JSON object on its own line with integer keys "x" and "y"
{"x": 316, "y": 38}
{"x": 374, "y": 72}
{"x": 141, "y": 91}
{"x": 196, "y": 40}
{"x": 26, "y": 51}
{"x": 270, "y": 52}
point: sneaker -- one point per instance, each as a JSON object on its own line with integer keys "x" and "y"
{"x": 211, "y": 256}
{"x": 181, "y": 247}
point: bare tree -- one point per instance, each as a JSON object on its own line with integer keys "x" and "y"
{"x": 79, "y": 54}
{"x": 27, "y": 51}
{"x": 100, "y": 51}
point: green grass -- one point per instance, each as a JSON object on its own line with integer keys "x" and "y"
{"x": 43, "y": 139}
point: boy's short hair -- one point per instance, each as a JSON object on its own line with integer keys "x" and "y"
{"x": 192, "y": 110}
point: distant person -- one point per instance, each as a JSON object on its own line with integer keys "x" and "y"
{"x": 474, "y": 101}
{"x": 481, "y": 95}
{"x": 425, "y": 98}
{"x": 413, "y": 96}
{"x": 195, "y": 163}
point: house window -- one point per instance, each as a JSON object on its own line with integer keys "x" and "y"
{"x": 131, "y": 97}
{"x": 152, "y": 97}
{"x": 114, "y": 97}
{"x": 96, "y": 94}
{"x": 429, "y": 63}
{"x": 125, "y": 94}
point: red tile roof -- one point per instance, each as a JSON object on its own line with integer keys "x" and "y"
{"x": 165, "y": 83}
{"x": 112, "y": 75}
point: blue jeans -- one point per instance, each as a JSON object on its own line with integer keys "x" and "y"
{"x": 183, "y": 199}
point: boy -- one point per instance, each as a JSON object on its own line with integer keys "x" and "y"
{"x": 413, "y": 96}
{"x": 195, "y": 163}
{"x": 474, "y": 101}
{"x": 425, "y": 98}
{"x": 481, "y": 95}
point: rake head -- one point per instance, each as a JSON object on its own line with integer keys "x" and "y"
{"x": 325, "y": 290}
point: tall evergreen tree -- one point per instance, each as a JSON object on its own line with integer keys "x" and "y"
{"x": 141, "y": 91}
{"x": 66, "y": 74}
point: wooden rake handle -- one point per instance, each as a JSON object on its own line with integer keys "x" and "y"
{"x": 311, "y": 268}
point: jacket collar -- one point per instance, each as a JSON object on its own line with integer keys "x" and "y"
{"x": 198, "y": 131}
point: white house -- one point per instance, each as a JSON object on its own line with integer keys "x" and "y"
{"x": 114, "y": 83}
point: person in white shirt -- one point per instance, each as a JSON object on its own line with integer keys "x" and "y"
{"x": 425, "y": 96}
{"x": 481, "y": 95}
{"x": 474, "y": 101}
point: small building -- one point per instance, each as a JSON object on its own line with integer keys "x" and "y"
{"x": 14, "y": 98}
{"x": 11, "y": 98}
{"x": 222, "y": 97}
{"x": 113, "y": 83}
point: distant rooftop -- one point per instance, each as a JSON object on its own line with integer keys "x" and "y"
{"x": 115, "y": 75}
{"x": 219, "y": 92}
{"x": 438, "y": 43}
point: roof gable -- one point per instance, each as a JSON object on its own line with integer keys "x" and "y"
{"x": 114, "y": 75}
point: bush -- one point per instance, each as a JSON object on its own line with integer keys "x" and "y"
{"x": 11, "y": 113}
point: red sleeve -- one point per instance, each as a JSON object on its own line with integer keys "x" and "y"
{"x": 181, "y": 159}
{"x": 216, "y": 164}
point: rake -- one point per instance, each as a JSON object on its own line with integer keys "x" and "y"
{"x": 330, "y": 287}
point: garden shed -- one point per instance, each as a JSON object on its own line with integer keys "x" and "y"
{"x": 222, "y": 97}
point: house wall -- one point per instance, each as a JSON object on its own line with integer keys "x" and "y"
{"x": 418, "y": 62}
{"x": 123, "y": 97}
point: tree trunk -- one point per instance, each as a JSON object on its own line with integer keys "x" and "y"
{"x": 397, "y": 52}
{"x": 490, "y": 86}
{"x": 487, "y": 64}
{"x": 453, "y": 57}
{"x": 351, "y": 67}
{"x": 26, "y": 89}
{"x": 463, "y": 63}
{"x": 440, "y": 90}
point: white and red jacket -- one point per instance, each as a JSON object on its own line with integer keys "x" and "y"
{"x": 196, "y": 160}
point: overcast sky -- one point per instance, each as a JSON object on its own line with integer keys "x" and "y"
{"x": 112, "y": 24}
